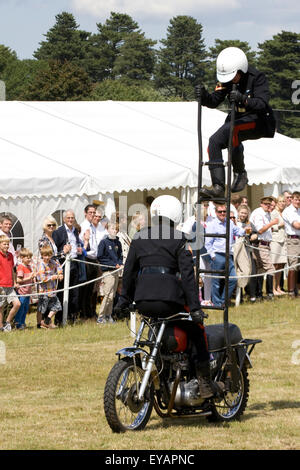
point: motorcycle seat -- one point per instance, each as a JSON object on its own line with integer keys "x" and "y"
{"x": 216, "y": 337}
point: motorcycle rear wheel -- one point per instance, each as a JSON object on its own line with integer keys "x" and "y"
{"x": 122, "y": 408}
{"x": 232, "y": 405}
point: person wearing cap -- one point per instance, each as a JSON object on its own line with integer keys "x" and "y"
{"x": 253, "y": 116}
{"x": 261, "y": 219}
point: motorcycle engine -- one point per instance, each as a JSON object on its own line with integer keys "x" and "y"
{"x": 186, "y": 394}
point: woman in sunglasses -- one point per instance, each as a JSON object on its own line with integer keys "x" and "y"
{"x": 46, "y": 239}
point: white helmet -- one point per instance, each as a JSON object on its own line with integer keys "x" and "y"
{"x": 167, "y": 206}
{"x": 229, "y": 61}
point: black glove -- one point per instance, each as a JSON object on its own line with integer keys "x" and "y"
{"x": 198, "y": 316}
{"x": 235, "y": 96}
{"x": 200, "y": 92}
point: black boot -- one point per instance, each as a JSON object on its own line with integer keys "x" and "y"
{"x": 207, "y": 388}
{"x": 218, "y": 184}
{"x": 239, "y": 182}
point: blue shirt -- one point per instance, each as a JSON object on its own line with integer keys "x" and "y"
{"x": 218, "y": 245}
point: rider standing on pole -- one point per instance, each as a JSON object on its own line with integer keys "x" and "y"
{"x": 253, "y": 117}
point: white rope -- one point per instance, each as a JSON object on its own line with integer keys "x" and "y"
{"x": 34, "y": 294}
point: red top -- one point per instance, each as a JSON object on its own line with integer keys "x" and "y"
{"x": 24, "y": 272}
{"x": 6, "y": 270}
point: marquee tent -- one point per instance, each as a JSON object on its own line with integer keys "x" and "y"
{"x": 57, "y": 155}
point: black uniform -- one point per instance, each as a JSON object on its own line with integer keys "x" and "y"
{"x": 159, "y": 277}
{"x": 252, "y": 120}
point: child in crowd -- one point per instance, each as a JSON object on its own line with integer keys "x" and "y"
{"x": 49, "y": 271}
{"x": 110, "y": 257}
{"x": 7, "y": 284}
{"x": 25, "y": 278}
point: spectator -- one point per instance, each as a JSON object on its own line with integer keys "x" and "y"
{"x": 101, "y": 231}
{"x": 291, "y": 217}
{"x": 215, "y": 247}
{"x": 261, "y": 219}
{"x": 236, "y": 201}
{"x": 49, "y": 225}
{"x": 49, "y": 272}
{"x": 25, "y": 279}
{"x": 67, "y": 240}
{"x": 243, "y": 221}
{"x": 138, "y": 221}
{"x": 245, "y": 200}
{"x": 121, "y": 220}
{"x": 89, "y": 232}
{"x": 287, "y": 198}
{"x": 7, "y": 284}
{"x": 278, "y": 243}
{"x": 110, "y": 257}
{"x": 5, "y": 229}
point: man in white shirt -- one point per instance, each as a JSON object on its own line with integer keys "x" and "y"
{"x": 261, "y": 219}
{"x": 88, "y": 231}
{"x": 216, "y": 248}
{"x": 291, "y": 217}
{"x": 5, "y": 229}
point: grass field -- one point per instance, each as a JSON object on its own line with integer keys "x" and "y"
{"x": 52, "y": 382}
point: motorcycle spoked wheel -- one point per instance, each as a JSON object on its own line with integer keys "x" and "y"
{"x": 232, "y": 405}
{"x": 122, "y": 408}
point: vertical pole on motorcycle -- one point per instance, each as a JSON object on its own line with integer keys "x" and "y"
{"x": 198, "y": 213}
{"x": 232, "y": 371}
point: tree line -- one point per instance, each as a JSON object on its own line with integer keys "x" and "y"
{"x": 119, "y": 63}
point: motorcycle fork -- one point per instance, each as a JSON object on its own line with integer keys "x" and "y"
{"x": 151, "y": 361}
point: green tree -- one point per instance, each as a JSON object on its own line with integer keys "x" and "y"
{"x": 117, "y": 90}
{"x": 279, "y": 59}
{"x": 59, "y": 82}
{"x": 182, "y": 59}
{"x": 104, "y": 47}
{"x": 19, "y": 74}
{"x": 214, "y": 51}
{"x": 64, "y": 41}
{"x": 136, "y": 59}
{"x": 7, "y": 56}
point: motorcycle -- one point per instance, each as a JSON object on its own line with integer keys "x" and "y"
{"x": 157, "y": 371}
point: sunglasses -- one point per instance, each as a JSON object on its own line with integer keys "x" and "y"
{"x": 232, "y": 217}
{"x": 51, "y": 225}
{"x": 221, "y": 212}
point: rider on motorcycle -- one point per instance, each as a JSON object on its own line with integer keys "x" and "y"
{"x": 159, "y": 276}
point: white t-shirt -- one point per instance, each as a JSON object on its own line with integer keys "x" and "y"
{"x": 291, "y": 214}
{"x": 260, "y": 218}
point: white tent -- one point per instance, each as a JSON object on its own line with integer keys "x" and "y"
{"x": 57, "y": 155}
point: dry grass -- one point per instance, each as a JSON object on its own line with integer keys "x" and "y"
{"x": 51, "y": 389}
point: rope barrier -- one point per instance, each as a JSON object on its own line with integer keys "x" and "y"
{"x": 36, "y": 294}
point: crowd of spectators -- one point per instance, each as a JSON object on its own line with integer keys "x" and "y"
{"x": 98, "y": 248}
{"x": 272, "y": 241}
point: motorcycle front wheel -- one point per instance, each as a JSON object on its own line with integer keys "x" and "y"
{"x": 122, "y": 408}
{"x": 232, "y": 405}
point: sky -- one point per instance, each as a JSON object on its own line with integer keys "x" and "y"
{"x": 24, "y": 22}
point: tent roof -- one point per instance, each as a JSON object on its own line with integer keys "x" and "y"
{"x": 75, "y": 148}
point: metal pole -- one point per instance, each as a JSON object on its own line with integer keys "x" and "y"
{"x": 198, "y": 214}
{"x": 66, "y": 289}
{"x": 232, "y": 378}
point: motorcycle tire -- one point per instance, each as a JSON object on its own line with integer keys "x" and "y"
{"x": 232, "y": 405}
{"x": 122, "y": 409}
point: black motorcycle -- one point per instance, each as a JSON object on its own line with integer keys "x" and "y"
{"x": 157, "y": 371}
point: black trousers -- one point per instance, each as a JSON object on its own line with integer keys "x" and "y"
{"x": 243, "y": 130}
{"x": 196, "y": 333}
{"x": 87, "y": 296}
